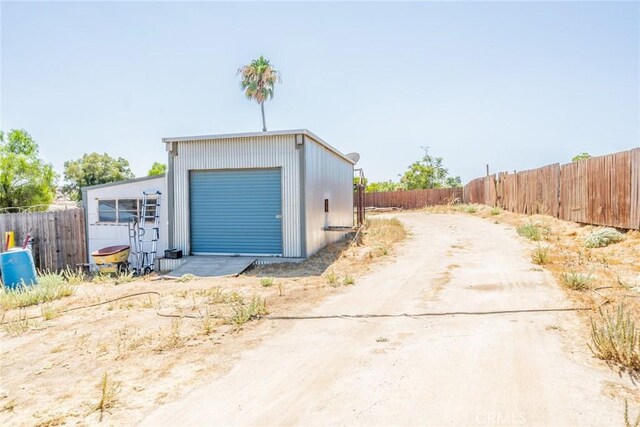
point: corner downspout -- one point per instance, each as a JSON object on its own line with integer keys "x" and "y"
{"x": 172, "y": 152}
{"x": 302, "y": 167}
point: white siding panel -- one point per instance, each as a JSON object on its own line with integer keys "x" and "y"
{"x": 240, "y": 153}
{"x": 327, "y": 176}
{"x": 101, "y": 235}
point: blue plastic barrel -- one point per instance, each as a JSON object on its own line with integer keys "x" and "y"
{"x": 17, "y": 267}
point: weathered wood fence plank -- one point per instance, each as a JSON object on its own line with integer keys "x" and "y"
{"x": 602, "y": 190}
{"x": 413, "y": 199}
{"x": 58, "y": 237}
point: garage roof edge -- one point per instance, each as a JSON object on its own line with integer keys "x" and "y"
{"x": 305, "y": 132}
{"x": 125, "y": 181}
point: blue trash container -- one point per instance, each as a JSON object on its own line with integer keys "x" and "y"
{"x": 17, "y": 268}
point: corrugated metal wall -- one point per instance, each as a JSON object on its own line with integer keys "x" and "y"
{"x": 240, "y": 153}
{"x": 327, "y": 176}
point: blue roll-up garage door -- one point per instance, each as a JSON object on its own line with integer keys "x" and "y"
{"x": 236, "y": 212}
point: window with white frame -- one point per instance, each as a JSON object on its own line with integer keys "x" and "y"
{"x": 122, "y": 210}
{"x": 107, "y": 211}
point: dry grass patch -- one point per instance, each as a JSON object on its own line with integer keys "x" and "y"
{"x": 109, "y": 391}
{"x": 20, "y": 324}
{"x": 50, "y": 286}
{"x": 203, "y": 325}
{"x": 174, "y": 339}
{"x": 384, "y": 231}
{"x": 616, "y": 338}
{"x": 186, "y": 278}
{"x": 627, "y": 420}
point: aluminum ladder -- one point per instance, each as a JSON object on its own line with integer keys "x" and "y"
{"x": 148, "y": 231}
{"x": 133, "y": 243}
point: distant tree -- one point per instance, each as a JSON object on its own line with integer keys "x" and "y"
{"x": 157, "y": 168}
{"x": 258, "y": 80}
{"x": 93, "y": 169}
{"x": 356, "y": 180}
{"x": 428, "y": 172}
{"x": 453, "y": 182}
{"x": 25, "y": 179}
{"x": 383, "y": 186}
{"x": 581, "y": 156}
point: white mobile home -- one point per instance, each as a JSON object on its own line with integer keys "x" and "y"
{"x": 108, "y": 208}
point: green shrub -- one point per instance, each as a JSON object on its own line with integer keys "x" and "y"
{"x": 530, "y": 231}
{"x": 540, "y": 255}
{"x": 242, "y": 313}
{"x": 332, "y": 278}
{"x": 467, "y": 208}
{"x": 603, "y": 237}
{"x": 267, "y": 281}
{"x": 576, "y": 281}
{"x": 495, "y": 211}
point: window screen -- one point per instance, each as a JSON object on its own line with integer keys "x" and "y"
{"x": 107, "y": 211}
{"x": 127, "y": 208}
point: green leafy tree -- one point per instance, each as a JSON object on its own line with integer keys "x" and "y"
{"x": 258, "y": 80}
{"x": 25, "y": 179}
{"x": 383, "y": 186}
{"x": 581, "y": 156}
{"x": 157, "y": 168}
{"x": 428, "y": 172}
{"x": 93, "y": 169}
{"x": 453, "y": 182}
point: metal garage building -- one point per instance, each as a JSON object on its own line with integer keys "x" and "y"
{"x": 263, "y": 194}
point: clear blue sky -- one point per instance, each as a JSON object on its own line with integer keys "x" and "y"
{"x": 515, "y": 85}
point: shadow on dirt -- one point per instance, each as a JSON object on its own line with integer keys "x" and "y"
{"x": 316, "y": 265}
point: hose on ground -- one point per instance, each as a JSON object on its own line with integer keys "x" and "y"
{"x": 382, "y": 316}
{"x": 67, "y": 310}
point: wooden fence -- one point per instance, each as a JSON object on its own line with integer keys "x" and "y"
{"x": 58, "y": 237}
{"x": 412, "y": 199}
{"x": 602, "y": 190}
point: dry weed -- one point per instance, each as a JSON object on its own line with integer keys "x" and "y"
{"x": 616, "y": 338}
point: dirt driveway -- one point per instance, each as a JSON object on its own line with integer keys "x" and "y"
{"x": 527, "y": 368}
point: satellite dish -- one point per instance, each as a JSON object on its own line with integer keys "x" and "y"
{"x": 353, "y": 156}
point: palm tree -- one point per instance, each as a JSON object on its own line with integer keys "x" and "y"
{"x": 258, "y": 81}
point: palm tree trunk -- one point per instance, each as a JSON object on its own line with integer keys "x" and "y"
{"x": 264, "y": 123}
